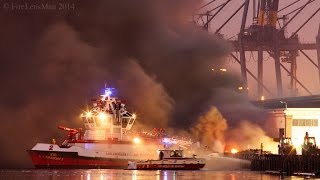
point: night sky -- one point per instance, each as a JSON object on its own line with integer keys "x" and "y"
{"x": 56, "y": 55}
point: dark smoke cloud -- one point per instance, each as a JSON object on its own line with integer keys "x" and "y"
{"x": 235, "y": 107}
{"x": 53, "y": 62}
{"x": 161, "y": 41}
{"x": 44, "y": 86}
{"x": 147, "y": 96}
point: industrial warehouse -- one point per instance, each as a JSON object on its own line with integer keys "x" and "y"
{"x": 297, "y": 122}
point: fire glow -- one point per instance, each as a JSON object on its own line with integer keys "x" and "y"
{"x": 234, "y": 151}
{"x": 137, "y": 140}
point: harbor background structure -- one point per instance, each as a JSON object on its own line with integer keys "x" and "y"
{"x": 58, "y": 61}
{"x": 263, "y": 29}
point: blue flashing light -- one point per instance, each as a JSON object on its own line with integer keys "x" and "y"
{"x": 108, "y": 91}
{"x": 166, "y": 140}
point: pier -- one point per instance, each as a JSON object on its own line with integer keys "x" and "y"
{"x": 287, "y": 165}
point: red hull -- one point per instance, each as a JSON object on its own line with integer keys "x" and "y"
{"x": 54, "y": 159}
{"x": 170, "y": 166}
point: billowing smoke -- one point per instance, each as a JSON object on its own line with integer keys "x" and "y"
{"x": 250, "y": 136}
{"x": 244, "y": 122}
{"x": 148, "y": 97}
{"x": 236, "y": 107}
{"x": 54, "y": 61}
{"x": 210, "y": 129}
{"x": 159, "y": 38}
{"x": 47, "y": 75}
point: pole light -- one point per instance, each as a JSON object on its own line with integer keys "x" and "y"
{"x": 285, "y": 118}
{"x": 283, "y": 102}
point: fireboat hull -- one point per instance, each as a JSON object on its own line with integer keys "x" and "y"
{"x": 169, "y": 166}
{"x": 71, "y": 160}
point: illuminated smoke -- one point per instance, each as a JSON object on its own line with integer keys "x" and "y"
{"x": 250, "y": 136}
{"x": 244, "y": 121}
{"x": 210, "y": 130}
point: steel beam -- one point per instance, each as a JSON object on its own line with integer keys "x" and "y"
{"x": 215, "y": 14}
{"x": 318, "y": 50}
{"x": 293, "y": 34}
{"x": 283, "y": 47}
{"x": 293, "y": 17}
{"x": 241, "y": 44}
{"x": 277, "y": 64}
{"x": 306, "y": 55}
{"x": 305, "y": 88}
{"x": 288, "y": 6}
{"x": 253, "y": 76}
{"x": 293, "y": 66}
{"x": 254, "y": 9}
{"x": 205, "y": 5}
{"x": 217, "y": 31}
{"x": 260, "y": 71}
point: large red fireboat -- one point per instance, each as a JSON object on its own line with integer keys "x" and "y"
{"x": 106, "y": 141}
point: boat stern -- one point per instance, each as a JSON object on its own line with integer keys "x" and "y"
{"x": 132, "y": 165}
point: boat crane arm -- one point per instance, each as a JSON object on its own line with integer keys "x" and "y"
{"x": 68, "y": 129}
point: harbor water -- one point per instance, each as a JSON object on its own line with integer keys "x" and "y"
{"x": 115, "y": 174}
{"x": 217, "y": 168}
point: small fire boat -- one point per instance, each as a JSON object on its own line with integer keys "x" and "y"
{"x": 169, "y": 160}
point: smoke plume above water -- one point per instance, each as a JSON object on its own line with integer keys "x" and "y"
{"x": 52, "y": 63}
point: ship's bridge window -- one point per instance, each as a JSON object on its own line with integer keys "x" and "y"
{"x": 172, "y": 154}
{"x": 176, "y": 154}
{"x": 124, "y": 122}
{"x": 179, "y": 153}
{"x": 116, "y": 130}
{"x": 90, "y": 120}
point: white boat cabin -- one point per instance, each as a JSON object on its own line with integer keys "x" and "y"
{"x": 168, "y": 154}
{"x": 107, "y": 119}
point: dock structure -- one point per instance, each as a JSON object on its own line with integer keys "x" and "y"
{"x": 287, "y": 165}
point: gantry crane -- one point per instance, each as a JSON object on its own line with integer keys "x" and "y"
{"x": 267, "y": 34}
